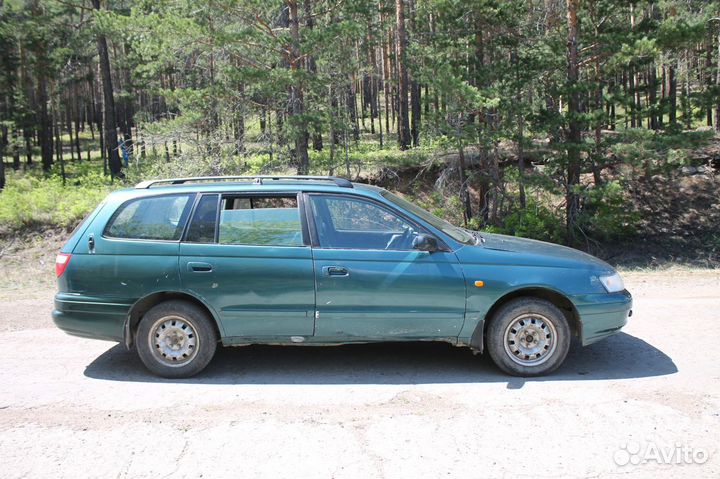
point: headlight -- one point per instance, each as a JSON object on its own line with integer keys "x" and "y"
{"x": 612, "y": 283}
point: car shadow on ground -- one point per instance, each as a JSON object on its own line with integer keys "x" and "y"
{"x": 618, "y": 357}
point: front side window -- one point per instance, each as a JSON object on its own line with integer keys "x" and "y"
{"x": 353, "y": 223}
{"x": 456, "y": 233}
{"x": 263, "y": 221}
{"x": 154, "y": 218}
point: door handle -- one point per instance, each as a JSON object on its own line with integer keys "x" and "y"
{"x": 199, "y": 267}
{"x": 336, "y": 271}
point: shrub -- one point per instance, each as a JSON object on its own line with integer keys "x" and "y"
{"x": 607, "y": 214}
{"x": 535, "y": 221}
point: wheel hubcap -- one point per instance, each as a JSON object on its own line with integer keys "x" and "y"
{"x": 530, "y": 339}
{"x": 174, "y": 341}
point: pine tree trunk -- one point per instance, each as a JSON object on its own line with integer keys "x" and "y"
{"x": 16, "y": 149}
{"x": 634, "y": 79}
{"x": 352, "y": 108}
{"x": 28, "y": 147}
{"x": 68, "y": 126}
{"x": 332, "y": 133}
{"x": 93, "y": 115}
{"x": 44, "y": 122}
{"x": 317, "y": 140}
{"x": 717, "y": 85}
{"x": 297, "y": 105}
{"x": 78, "y": 123}
{"x": 415, "y": 99}
{"x": 416, "y": 111}
{"x": 3, "y": 145}
{"x": 240, "y": 122}
{"x": 574, "y": 133}
{"x": 109, "y": 119}
{"x": 672, "y": 96}
{"x": 57, "y": 124}
{"x": 378, "y": 108}
{"x": 128, "y": 104}
{"x": 686, "y": 105}
{"x": 385, "y": 65}
{"x": 611, "y": 106}
{"x": 637, "y": 102}
{"x": 464, "y": 191}
{"x": 403, "y": 120}
{"x": 652, "y": 97}
{"x": 708, "y": 78}
{"x": 633, "y": 105}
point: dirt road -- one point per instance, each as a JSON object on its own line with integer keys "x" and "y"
{"x": 645, "y": 402}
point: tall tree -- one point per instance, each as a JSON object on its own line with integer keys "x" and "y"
{"x": 297, "y": 101}
{"x": 574, "y": 126}
{"x": 402, "y": 99}
{"x": 39, "y": 44}
{"x": 109, "y": 116}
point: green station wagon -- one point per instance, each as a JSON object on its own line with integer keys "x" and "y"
{"x": 172, "y": 267}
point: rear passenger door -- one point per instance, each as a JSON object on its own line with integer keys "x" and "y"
{"x": 248, "y": 257}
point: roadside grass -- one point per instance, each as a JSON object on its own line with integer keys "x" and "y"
{"x": 31, "y": 202}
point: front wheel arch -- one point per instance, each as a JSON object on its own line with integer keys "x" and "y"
{"x": 143, "y": 305}
{"x": 557, "y": 299}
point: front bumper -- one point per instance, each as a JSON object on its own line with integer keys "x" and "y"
{"x": 81, "y": 316}
{"x": 602, "y": 315}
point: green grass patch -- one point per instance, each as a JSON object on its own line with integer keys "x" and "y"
{"x": 30, "y": 201}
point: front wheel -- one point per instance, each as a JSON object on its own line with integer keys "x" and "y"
{"x": 176, "y": 339}
{"x": 528, "y": 337}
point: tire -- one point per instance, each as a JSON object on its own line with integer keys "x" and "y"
{"x": 176, "y": 339}
{"x": 525, "y": 319}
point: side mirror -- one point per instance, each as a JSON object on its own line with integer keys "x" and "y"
{"x": 423, "y": 242}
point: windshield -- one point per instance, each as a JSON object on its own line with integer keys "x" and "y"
{"x": 458, "y": 234}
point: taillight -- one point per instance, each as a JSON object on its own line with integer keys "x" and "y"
{"x": 61, "y": 262}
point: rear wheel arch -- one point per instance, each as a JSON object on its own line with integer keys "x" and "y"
{"x": 143, "y": 305}
{"x": 559, "y": 300}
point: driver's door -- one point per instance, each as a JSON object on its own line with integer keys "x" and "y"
{"x": 370, "y": 282}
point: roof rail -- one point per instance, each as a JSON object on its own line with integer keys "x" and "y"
{"x": 341, "y": 182}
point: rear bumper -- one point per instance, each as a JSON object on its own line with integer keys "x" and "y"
{"x": 602, "y": 315}
{"x": 79, "y": 316}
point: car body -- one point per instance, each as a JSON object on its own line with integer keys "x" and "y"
{"x": 318, "y": 261}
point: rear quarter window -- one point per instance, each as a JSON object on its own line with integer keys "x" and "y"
{"x": 153, "y": 218}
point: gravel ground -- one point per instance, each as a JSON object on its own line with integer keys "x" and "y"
{"x": 645, "y": 402}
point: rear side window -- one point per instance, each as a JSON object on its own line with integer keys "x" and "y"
{"x": 264, "y": 221}
{"x": 154, "y": 218}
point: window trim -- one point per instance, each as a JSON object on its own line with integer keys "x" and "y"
{"x": 315, "y": 240}
{"x": 192, "y": 197}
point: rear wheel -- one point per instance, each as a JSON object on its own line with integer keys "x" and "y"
{"x": 176, "y": 339}
{"x": 528, "y": 337}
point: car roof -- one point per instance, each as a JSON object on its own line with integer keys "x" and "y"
{"x": 275, "y": 186}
